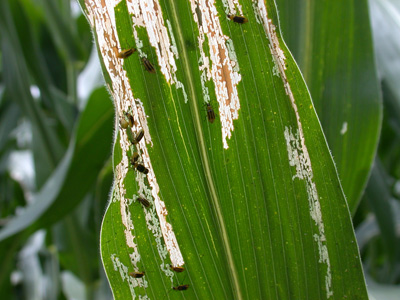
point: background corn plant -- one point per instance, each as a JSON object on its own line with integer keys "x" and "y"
{"x": 240, "y": 215}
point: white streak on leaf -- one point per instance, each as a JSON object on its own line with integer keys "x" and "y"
{"x": 232, "y": 55}
{"x": 344, "y": 128}
{"x": 103, "y": 21}
{"x": 124, "y": 273}
{"x": 232, "y": 7}
{"x": 218, "y": 66}
{"x": 298, "y": 158}
{"x": 148, "y": 14}
{"x": 296, "y": 146}
{"x": 173, "y": 47}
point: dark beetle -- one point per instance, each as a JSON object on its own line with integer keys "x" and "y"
{"x": 238, "y": 19}
{"x": 183, "y": 287}
{"x": 177, "y": 269}
{"x": 136, "y": 274}
{"x": 141, "y": 168}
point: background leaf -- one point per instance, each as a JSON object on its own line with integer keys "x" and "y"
{"x": 40, "y": 103}
{"x": 378, "y": 219}
{"x": 57, "y": 198}
{"x": 332, "y": 43}
{"x": 46, "y": 145}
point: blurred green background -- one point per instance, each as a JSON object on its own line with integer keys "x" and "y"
{"x": 56, "y": 130}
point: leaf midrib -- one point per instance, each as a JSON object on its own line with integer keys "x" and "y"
{"x": 205, "y": 160}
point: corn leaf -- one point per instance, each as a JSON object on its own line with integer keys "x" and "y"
{"x": 233, "y": 180}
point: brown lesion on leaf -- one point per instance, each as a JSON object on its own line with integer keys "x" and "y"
{"x": 156, "y": 8}
{"x": 225, "y": 73}
{"x": 221, "y": 65}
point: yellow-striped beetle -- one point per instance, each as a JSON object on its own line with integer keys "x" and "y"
{"x": 130, "y": 118}
{"x": 144, "y": 201}
{"x": 147, "y": 65}
{"x": 126, "y": 53}
{"x": 210, "y": 113}
{"x": 123, "y": 123}
{"x": 137, "y": 138}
